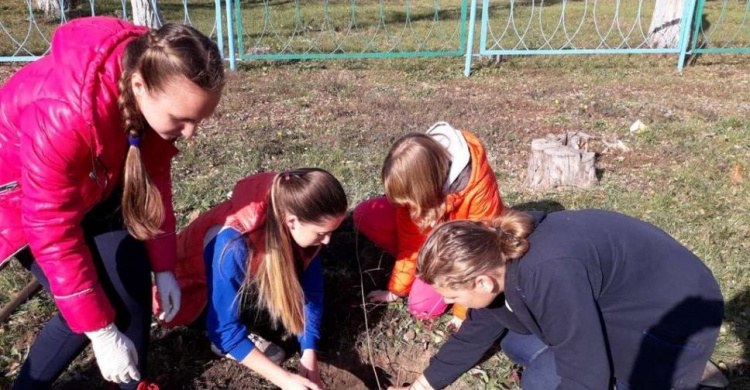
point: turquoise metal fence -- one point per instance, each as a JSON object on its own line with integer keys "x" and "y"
{"x": 539, "y": 27}
{"x": 323, "y": 29}
{"x": 721, "y": 27}
{"x": 320, "y": 29}
{"x": 25, "y": 32}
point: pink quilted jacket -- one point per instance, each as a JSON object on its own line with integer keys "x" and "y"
{"x": 62, "y": 151}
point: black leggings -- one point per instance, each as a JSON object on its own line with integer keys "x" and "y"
{"x": 124, "y": 273}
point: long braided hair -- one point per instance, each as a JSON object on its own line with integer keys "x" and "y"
{"x": 171, "y": 51}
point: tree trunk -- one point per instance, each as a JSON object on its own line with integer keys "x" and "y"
{"x": 51, "y": 8}
{"x": 664, "y": 32}
{"x": 561, "y": 161}
{"x": 147, "y": 13}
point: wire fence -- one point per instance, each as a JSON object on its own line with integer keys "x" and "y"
{"x": 26, "y": 30}
{"x": 606, "y": 27}
{"x": 721, "y": 27}
{"x": 322, "y": 29}
{"x": 350, "y": 29}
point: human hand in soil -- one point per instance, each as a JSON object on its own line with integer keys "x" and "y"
{"x": 280, "y": 377}
{"x": 297, "y": 382}
{"x": 454, "y": 324}
{"x": 169, "y": 295}
{"x": 382, "y": 296}
{"x": 115, "y": 354}
{"x": 308, "y": 367}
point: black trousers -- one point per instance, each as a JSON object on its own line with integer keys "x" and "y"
{"x": 124, "y": 274}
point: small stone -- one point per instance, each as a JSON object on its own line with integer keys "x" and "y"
{"x": 638, "y": 127}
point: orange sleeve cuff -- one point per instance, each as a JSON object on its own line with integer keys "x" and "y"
{"x": 460, "y": 311}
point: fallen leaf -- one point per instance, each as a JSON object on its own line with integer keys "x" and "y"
{"x": 736, "y": 175}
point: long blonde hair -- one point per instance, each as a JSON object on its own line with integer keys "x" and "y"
{"x": 158, "y": 56}
{"x": 312, "y": 195}
{"x": 414, "y": 173}
{"x": 458, "y": 251}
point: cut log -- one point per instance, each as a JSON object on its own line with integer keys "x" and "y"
{"x": 561, "y": 161}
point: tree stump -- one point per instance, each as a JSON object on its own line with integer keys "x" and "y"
{"x": 561, "y": 161}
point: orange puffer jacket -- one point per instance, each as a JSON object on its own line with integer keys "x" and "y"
{"x": 479, "y": 200}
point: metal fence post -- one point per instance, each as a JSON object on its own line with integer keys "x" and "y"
{"x": 685, "y": 26}
{"x": 698, "y": 24}
{"x": 230, "y": 37}
{"x": 470, "y": 40}
{"x": 219, "y": 28}
{"x": 124, "y": 10}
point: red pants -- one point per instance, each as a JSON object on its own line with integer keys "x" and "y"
{"x": 376, "y": 219}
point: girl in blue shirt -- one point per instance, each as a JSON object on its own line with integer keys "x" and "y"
{"x": 262, "y": 245}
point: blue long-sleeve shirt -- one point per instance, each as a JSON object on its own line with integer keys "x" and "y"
{"x": 226, "y": 257}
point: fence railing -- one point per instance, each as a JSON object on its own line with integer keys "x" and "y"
{"x": 25, "y": 32}
{"x": 350, "y": 29}
{"x": 721, "y": 26}
{"x": 323, "y": 29}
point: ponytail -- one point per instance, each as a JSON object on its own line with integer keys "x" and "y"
{"x": 279, "y": 289}
{"x": 142, "y": 206}
{"x": 458, "y": 251}
{"x": 312, "y": 195}
{"x": 512, "y": 230}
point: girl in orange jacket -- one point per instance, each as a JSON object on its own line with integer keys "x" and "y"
{"x": 429, "y": 178}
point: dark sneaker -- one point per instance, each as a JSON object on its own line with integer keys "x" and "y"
{"x": 713, "y": 377}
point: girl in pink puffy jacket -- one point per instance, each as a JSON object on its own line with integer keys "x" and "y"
{"x": 86, "y": 140}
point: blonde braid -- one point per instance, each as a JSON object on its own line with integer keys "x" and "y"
{"x": 142, "y": 206}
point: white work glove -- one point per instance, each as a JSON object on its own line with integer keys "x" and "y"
{"x": 115, "y": 355}
{"x": 169, "y": 295}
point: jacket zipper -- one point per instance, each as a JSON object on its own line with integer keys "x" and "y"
{"x": 8, "y": 187}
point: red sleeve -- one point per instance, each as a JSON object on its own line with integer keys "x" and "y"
{"x": 57, "y": 192}
{"x": 157, "y": 154}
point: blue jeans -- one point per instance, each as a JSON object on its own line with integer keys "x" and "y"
{"x": 537, "y": 359}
